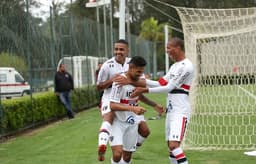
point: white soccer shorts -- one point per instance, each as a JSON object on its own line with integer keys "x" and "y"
{"x": 175, "y": 126}
{"x": 105, "y": 107}
{"x": 124, "y": 134}
{"x": 140, "y": 118}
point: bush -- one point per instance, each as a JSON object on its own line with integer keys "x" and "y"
{"x": 24, "y": 112}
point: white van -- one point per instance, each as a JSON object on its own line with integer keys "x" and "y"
{"x": 12, "y": 84}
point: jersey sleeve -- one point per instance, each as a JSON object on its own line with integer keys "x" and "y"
{"x": 164, "y": 80}
{"x": 103, "y": 73}
{"x": 152, "y": 83}
{"x": 176, "y": 79}
{"x": 116, "y": 93}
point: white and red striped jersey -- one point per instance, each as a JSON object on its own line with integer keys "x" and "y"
{"x": 176, "y": 83}
{"x": 121, "y": 94}
{"x": 108, "y": 70}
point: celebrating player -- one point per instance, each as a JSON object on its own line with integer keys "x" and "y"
{"x": 110, "y": 71}
{"x": 176, "y": 83}
{"x": 125, "y": 124}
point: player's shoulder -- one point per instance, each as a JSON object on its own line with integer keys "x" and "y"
{"x": 188, "y": 65}
{"x": 109, "y": 62}
{"x": 127, "y": 60}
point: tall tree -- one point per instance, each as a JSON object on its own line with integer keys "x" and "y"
{"x": 153, "y": 31}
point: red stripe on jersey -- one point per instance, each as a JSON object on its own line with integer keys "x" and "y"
{"x": 130, "y": 102}
{"x": 184, "y": 121}
{"x": 180, "y": 156}
{"x": 184, "y": 86}
{"x": 162, "y": 81}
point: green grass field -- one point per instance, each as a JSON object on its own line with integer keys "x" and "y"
{"x": 75, "y": 142}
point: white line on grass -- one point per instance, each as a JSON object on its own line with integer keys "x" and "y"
{"x": 249, "y": 93}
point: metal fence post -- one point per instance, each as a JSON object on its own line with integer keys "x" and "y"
{"x": 1, "y": 114}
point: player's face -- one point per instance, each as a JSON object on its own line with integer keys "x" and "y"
{"x": 136, "y": 72}
{"x": 120, "y": 52}
{"x": 172, "y": 50}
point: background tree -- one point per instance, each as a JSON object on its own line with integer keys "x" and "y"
{"x": 153, "y": 31}
{"x": 12, "y": 60}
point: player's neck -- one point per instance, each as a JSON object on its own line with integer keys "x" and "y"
{"x": 181, "y": 57}
{"x": 128, "y": 76}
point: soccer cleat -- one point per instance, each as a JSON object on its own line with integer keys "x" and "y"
{"x": 250, "y": 153}
{"x": 101, "y": 152}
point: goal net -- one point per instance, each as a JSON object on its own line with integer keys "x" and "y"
{"x": 222, "y": 45}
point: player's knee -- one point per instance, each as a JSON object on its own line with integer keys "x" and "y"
{"x": 117, "y": 155}
{"x": 173, "y": 145}
{"x": 144, "y": 131}
{"x": 109, "y": 117}
{"x": 127, "y": 158}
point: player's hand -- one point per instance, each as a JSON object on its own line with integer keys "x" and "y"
{"x": 160, "y": 109}
{"x": 121, "y": 80}
{"x": 138, "y": 91}
{"x": 138, "y": 110}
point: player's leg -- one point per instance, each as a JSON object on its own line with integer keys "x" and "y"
{"x": 143, "y": 131}
{"x": 116, "y": 141}
{"x": 175, "y": 129}
{"x": 129, "y": 141}
{"x": 116, "y": 154}
{"x": 126, "y": 157}
{"x": 105, "y": 130}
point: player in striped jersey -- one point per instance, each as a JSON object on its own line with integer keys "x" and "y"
{"x": 176, "y": 83}
{"x": 109, "y": 72}
{"x": 125, "y": 124}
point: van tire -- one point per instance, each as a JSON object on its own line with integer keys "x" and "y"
{"x": 24, "y": 93}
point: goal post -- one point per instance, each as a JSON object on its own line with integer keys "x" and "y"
{"x": 222, "y": 45}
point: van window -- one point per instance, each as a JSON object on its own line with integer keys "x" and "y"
{"x": 3, "y": 78}
{"x": 18, "y": 78}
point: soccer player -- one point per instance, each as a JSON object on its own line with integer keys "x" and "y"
{"x": 176, "y": 83}
{"x": 125, "y": 123}
{"x": 109, "y": 72}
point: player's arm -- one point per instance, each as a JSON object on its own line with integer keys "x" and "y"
{"x": 121, "y": 80}
{"x": 174, "y": 82}
{"x": 105, "y": 84}
{"x": 162, "y": 81}
{"x": 159, "y": 108}
{"x": 121, "y": 107}
{"x": 104, "y": 80}
{"x": 115, "y": 98}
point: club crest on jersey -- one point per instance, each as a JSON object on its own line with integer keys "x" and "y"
{"x": 130, "y": 120}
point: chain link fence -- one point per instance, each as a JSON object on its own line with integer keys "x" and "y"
{"x": 40, "y": 45}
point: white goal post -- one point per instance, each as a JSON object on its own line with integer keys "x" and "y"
{"x": 222, "y": 45}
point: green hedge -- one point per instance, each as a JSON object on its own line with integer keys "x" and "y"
{"x": 24, "y": 112}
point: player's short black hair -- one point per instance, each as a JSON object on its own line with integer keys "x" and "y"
{"x": 138, "y": 61}
{"x": 122, "y": 41}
